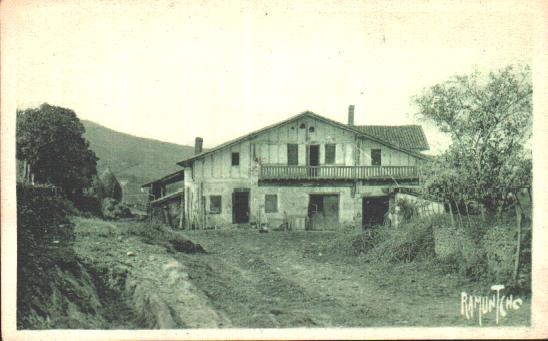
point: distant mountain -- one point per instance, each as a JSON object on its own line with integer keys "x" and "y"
{"x": 134, "y": 160}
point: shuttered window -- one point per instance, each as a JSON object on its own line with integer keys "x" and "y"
{"x": 329, "y": 153}
{"x": 271, "y": 203}
{"x": 235, "y": 159}
{"x": 292, "y": 154}
{"x": 215, "y": 204}
{"x": 375, "y": 157}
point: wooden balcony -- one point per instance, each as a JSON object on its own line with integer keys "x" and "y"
{"x": 337, "y": 172}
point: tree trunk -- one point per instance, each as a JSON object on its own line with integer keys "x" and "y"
{"x": 467, "y": 213}
{"x": 451, "y": 214}
{"x": 518, "y": 241}
{"x": 458, "y": 213}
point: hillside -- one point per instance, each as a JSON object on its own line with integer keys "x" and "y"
{"x": 134, "y": 159}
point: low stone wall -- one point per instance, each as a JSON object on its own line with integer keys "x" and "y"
{"x": 496, "y": 250}
{"x": 499, "y": 244}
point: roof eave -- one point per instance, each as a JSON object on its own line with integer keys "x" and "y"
{"x": 167, "y": 179}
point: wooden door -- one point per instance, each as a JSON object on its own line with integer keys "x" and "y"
{"x": 240, "y": 207}
{"x": 313, "y": 159}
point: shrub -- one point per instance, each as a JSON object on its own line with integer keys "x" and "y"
{"x": 411, "y": 241}
{"x": 112, "y": 209}
{"x": 42, "y": 214}
{"x": 88, "y": 206}
{"x": 408, "y": 209}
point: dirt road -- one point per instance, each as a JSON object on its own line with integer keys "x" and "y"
{"x": 277, "y": 279}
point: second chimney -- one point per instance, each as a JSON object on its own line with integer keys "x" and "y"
{"x": 198, "y": 144}
{"x": 351, "y": 115}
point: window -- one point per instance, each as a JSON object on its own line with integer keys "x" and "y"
{"x": 235, "y": 159}
{"x": 215, "y": 204}
{"x": 292, "y": 154}
{"x": 375, "y": 157}
{"x": 329, "y": 153}
{"x": 271, "y": 203}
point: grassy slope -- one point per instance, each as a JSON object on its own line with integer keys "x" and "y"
{"x": 136, "y": 159}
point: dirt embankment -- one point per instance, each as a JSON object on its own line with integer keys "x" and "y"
{"x": 110, "y": 279}
{"x": 62, "y": 292}
{"x": 153, "y": 284}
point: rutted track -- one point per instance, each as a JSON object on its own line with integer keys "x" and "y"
{"x": 276, "y": 280}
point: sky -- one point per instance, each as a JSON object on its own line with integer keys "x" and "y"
{"x": 174, "y": 70}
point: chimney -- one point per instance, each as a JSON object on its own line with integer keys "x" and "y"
{"x": 198, "y": 143}
{"x": 351, "y": 115}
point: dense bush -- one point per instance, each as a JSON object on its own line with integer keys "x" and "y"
{"x": 411, "y": 241}
{"x": 88, "y": 206}
{"x": 112, "y": 209}
{"x": 408, "y": 209}
{"x": 42, "y": 214}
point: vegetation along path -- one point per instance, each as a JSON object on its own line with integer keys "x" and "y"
{"x": 268, "y": 280}
{"x": 280, "y": 279}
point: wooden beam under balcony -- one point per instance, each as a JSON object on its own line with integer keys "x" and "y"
{"x": 337, "y": 172}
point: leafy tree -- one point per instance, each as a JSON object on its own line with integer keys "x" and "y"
{"x": 489, "y": 119}
{"x": 50, "y": 143}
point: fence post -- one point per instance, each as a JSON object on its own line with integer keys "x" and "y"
{"x": 518, "y": 242}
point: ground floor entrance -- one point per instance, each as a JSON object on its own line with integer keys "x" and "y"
{"x": 323, "y": 211}
{"x": 374, "y": 210}
{"x": 240, "y": 206}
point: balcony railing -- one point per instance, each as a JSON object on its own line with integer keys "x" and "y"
{"x": 337, "y": 172}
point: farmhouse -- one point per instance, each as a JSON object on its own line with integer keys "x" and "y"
{"x": 308, "y": 170}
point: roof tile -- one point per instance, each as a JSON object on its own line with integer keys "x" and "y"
{"x": 406, "y": 136}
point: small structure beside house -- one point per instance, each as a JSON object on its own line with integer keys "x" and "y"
{"x": 166, "y": 199}
{"x": 309, "y": 171}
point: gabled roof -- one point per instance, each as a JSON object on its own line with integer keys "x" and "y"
{"x": 406, "y": 136}
{"x": 310, "y": 114}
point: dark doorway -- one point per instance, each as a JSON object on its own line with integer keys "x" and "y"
{"x": 323, "y": 211}
{"x": 240, "y": 207}
{"x": 313, "y": 159}
{"x": 374, "y": 210}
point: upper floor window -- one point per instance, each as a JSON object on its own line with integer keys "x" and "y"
{"x": 235, "y": 159}
{"x": 292, "y": 154}
{"x": 329, "y": 153}
{"x": 376, "y": 157}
